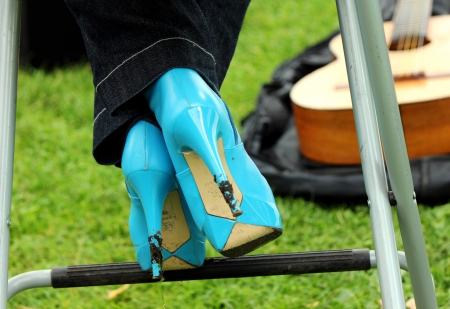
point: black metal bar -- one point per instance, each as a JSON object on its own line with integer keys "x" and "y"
{"x": 215, "y": 268}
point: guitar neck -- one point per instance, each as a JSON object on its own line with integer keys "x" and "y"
{"x": 410, "y": 24}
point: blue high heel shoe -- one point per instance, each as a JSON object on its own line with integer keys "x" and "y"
{"x": 161, "y": 226}
{"x": 230, "y": 200}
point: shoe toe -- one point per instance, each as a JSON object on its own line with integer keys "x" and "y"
{"x": 261, "y": 213}
{"x": 218, "y": 230}
{"x": 192, "y": 252}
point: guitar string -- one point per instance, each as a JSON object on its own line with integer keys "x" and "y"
{"x": 409, "y": 38}
{"x": 400, "y": 39}
{"x": 422, "y": 16}
{"x": 404, "y": 24}
{"x": 415, "y": 32}
{"x": 411, "y": 50}
{"x": 425, "y": 22}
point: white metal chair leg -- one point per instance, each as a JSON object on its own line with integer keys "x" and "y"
{"x": 371, "y": 158}
{"x": 9, "y": 50}
{"x": 370, "y": 76}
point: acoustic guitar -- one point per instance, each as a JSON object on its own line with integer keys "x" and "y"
{"x": 419, "y": 51}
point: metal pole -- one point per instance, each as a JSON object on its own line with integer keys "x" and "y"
{"x": 391, "y": 129}
{"x": 401, "y": 259}
{"x": 29, "y": 280}
{"x": 9, "y": 50}
{"x": 216, "y": 268}
{"x": 371, "y": 158}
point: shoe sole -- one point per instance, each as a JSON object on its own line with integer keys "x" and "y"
{"x": 243, "y": 238}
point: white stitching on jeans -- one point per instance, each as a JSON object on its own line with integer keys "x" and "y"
{"x": 98, "y": 115}
{"x": 175, "y": 38}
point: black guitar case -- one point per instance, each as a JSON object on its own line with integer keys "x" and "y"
{"x": 270, "y": 137}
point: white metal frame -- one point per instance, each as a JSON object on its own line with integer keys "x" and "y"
{"x": 376, "y": 113}
{"x": 9, "y": 50}
{"x": 371, "y": 80}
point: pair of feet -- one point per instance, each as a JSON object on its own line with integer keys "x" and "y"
{"x": 193, "y": 181}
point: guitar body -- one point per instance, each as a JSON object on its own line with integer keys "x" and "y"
{"x": 323, "y": 110}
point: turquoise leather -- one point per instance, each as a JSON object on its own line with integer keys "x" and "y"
{"x": 193, "y": 117}
{"x": 149, "y": 177}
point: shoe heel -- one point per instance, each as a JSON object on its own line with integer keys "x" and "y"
{"x": 152, "y": 188}
{"x": 197, "y": 129}
{"x": 157, "y": 206}
{"x": 182, "y": 244}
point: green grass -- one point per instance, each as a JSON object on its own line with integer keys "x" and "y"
{"x": 69, "y": 210}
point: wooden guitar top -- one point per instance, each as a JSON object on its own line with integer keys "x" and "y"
{"x": 323, "y": 110}
{"x": 327, "y": 88}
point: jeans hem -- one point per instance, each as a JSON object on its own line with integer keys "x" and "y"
{"x": 140, "y": 70}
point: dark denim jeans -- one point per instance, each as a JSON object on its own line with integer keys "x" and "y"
{"x": 131, "y": 43}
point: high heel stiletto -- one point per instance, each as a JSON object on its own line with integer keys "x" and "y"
{"x": 161, "y": 226}
{"x": 229, "y": 199}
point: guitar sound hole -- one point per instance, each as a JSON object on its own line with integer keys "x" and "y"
{"x": 408, "y": 77}
{"x": 408, "y": 43}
